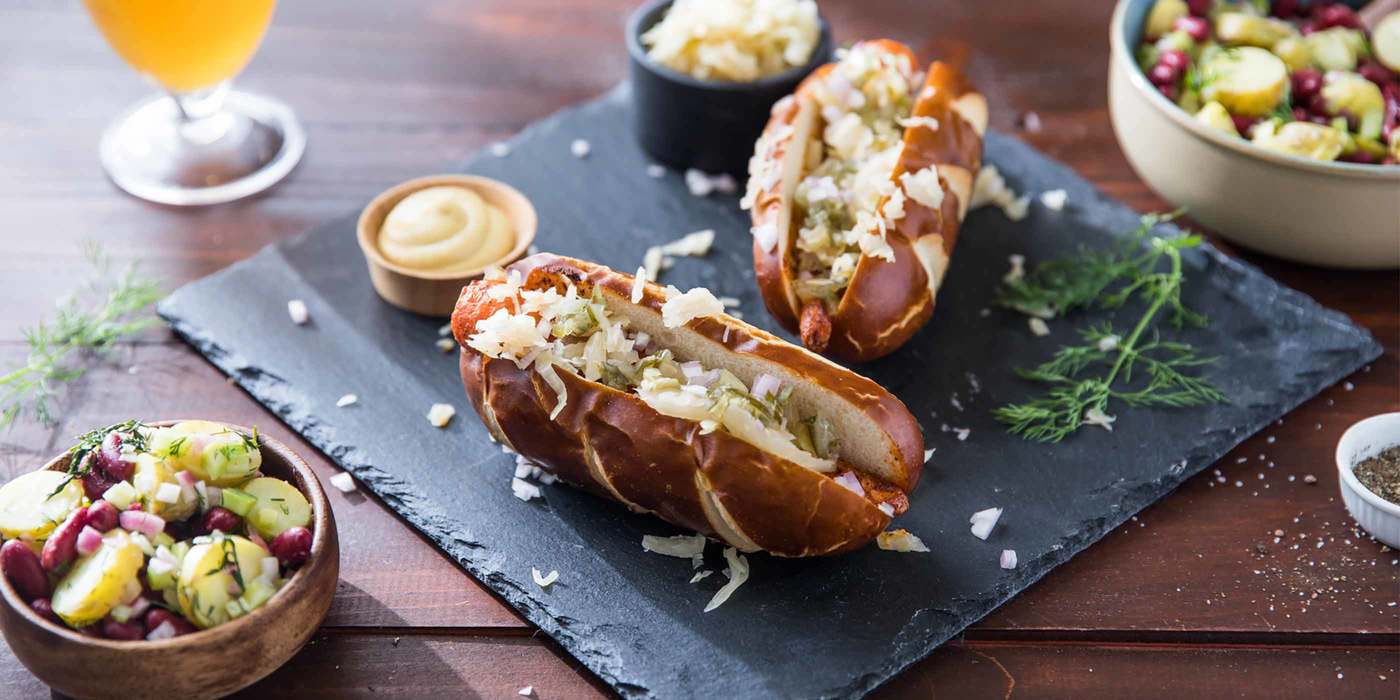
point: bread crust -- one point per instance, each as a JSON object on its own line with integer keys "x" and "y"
{"x": 886, "y": 302}
{"x": 613, "y": 444}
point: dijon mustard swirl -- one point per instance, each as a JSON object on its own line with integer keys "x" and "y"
{"x": 445, "y": 229}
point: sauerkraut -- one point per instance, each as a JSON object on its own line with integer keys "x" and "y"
{"x": 865, "y": 101}
{"x": 734, "y": 40}
{"x": 553, "y": 332}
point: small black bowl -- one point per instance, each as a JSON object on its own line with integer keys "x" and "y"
{"x": 709, "y": 125}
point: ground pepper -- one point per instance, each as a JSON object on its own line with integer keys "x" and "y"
{"x": 1381, "y": 474}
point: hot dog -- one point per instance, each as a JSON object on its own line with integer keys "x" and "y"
{"x": 856, "y": 189}
{"x": 661, "y": 401}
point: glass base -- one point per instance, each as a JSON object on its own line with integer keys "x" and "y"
{"x": 247, "y": 146}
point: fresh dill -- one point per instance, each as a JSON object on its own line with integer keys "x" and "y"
{"x": 1139, "y": 368}
{"x": 78, "y": 328}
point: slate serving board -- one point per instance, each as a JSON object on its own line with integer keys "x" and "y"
{"x": 811, "y": 628}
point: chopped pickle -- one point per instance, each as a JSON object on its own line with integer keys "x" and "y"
{"x": 1301, "y": 139}
{"x": 1217, "y": 117}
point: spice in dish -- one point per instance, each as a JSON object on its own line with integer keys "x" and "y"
{"x": 445, "y": 229}
{"x": 1307, "y": 81}
{"x": 734, "y": 40}
{"x": 1381, "y": 474}
{"x": 153, "y": 532}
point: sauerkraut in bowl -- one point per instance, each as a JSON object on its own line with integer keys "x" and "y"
{"x": 734, "y": 40}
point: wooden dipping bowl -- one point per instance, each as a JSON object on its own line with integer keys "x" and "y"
{"x": 207, "y": 663}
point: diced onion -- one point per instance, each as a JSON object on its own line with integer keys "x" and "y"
{"x": 850, "y": 481}
{"x": 544, "y": 581}
{"x": 148, "y": 524}
{"x": 983, "y": 521}
{"x": 89, "y": 540}
{"x": 766, "y": 384}
{"x": 524, "y": 490}
{"x": 1008, "y": 559}
{"x": 164, "y": 630}
{"x": 343, "y": 482}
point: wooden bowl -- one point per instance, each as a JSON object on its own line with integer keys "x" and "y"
{"x": 429, "y": 293}
{"x": 208, "y": 663}
{"x": 1335, "y": 214}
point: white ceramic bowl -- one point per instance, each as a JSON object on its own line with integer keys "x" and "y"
{"x": 1322, "y": 213}
{"x": 1378, "y": 516}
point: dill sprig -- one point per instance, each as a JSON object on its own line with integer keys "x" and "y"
{"x": 1140, "y": 369}
{"x": 77, "y": 329}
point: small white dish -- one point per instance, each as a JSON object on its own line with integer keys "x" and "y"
{"x": 1376, "y": 515}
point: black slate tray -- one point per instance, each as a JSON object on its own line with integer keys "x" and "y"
{"x": 829, "y": 627}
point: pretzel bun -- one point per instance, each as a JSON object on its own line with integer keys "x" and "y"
{"x": 614, "y": 444}
{"x": 885, "y": 302}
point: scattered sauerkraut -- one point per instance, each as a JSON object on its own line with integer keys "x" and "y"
{"x": 734, "y": 40}
{"x": 554, "y": 332}
{"x": 865, "y": 102}
{"x": 900, "y": 540}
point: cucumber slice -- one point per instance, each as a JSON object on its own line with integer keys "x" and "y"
{"x": 97, "y": 582}
{"x": 30, "y": 508}
{"x": 238, "y": 501}
{"x": 280, "y": 506}
{"x": 1246, "y": 80}
{"x": 121, "y": 494}
{"x": 1385, "y": 41}
{"x": 203, "y": 588}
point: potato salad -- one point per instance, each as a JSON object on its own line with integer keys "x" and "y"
{"x": 153, "y": 532}
{"x": 1310, "y": 81}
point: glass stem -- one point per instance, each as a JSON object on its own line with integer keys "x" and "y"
{"x": 202, "y": 118}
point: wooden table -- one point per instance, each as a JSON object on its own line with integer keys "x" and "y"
{"x": 1195, "y": 597}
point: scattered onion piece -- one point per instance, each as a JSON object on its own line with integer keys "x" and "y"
{"x": 544, "y": 581}
{"x": 983, "y": 521}
{"x": 683, "y": 546}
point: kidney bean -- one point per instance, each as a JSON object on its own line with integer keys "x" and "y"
{"x": 110, "y": 460}
{"x": 1163, "y": 74}
{"x": 129, "y": 631}
{"x": 1389, "y": 160}
{"x": 22, "y": 567}
{"x": 102, "y": 516}
{"x": 155, "y": 616}
{"x": 43, "y": 608}
{"x": 1376, "y": 72}
{"x": 292, "y": 547}
{"x": 62, "y": 544}
{"x": 96, "y": 483}
{"x": 1198, "y": 8}
{"x": 1177, "y": 59}
{"x": 1284, "y": 9}
{"x": 1243, "y": 123}
{"x": 93, "y": 630}
{"x": 1170, "y": 91}
{"x": 1197, "y": 27}
{"x": 1300, "y": 114}
{"x": 1306, "y": 83}
{"x": 221, "y": 519}
{"x": 1335, "y": 15}
{"x": 1307, "y": 28}
{"x": 1358, "y": 156}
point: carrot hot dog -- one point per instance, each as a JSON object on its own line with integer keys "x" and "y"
{"x": 661, "y": 401}
{"x": 856, "y": 189}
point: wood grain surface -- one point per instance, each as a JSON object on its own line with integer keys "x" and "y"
{"x": 1196, "y": 597}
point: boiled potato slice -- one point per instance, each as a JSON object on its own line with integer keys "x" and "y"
{"x": 280, "y": 507}
{"x": 1164, "y": 14}
{"x": 98, "y": 581}
{"x": 205, "y": 583}
{"x": 1294, "y": 52}
{"x": 1304, "y": 139}
{"x": 151, "y": 472}
{"x": 1215, "y": 116}
{"x": 1336, "y": 48}
{"x": 1385, "y": 41}
{"x": 1247, "y": 80}
{"x": 1351, "y": 93}
{"x": 28, "y": 510}
{"x": 1240, "y": 29}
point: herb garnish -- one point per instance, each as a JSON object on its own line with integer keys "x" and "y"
{"x": 229, "y": 562}
{"x": 133, "y": 434}
{"x": 33, "y": 385}
{"x": 1084, "y": 378}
